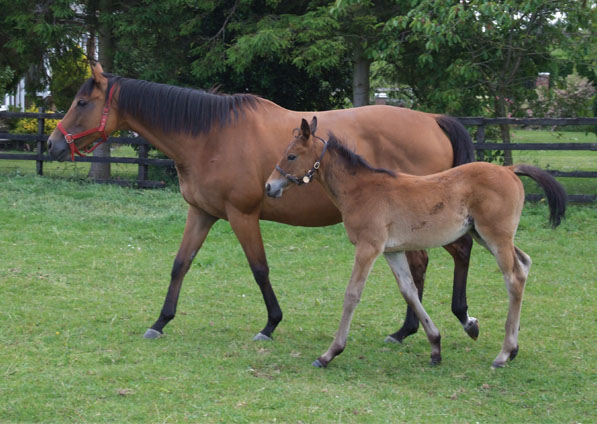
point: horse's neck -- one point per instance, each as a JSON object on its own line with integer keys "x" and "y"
{"x": 336, "y": 179}
{"x": 172, "y": 144}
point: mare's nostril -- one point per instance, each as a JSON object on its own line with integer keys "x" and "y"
{"x": 49, "y": 144}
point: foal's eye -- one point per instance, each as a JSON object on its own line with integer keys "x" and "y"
{"x": 291, "y": 157}
{"x": 81, "y": 103}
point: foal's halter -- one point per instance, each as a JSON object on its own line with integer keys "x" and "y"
{"x": 306, "y": 179}
{"x": 70, "y": 138}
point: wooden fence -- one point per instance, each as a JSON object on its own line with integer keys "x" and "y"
{"x": 40, "y": 139}
{"x": 144, "y": 162}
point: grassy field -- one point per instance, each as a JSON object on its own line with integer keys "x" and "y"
{"x": 559, "y": 160}
{"x": 84, "y": 270}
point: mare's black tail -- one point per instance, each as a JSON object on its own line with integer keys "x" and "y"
{"x": 555, "y": 193}
{"x": 462, "y": 145}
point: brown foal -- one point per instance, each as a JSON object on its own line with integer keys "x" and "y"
{"x": 392, "y": 213}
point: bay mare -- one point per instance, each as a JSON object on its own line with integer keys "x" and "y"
{"x": 391, "y": 213}
{"x": 224, "y": 148}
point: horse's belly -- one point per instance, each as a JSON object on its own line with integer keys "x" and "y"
{"x": 424, "y": 234}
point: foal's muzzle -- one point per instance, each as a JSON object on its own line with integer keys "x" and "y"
{"x": 275, "y": 188}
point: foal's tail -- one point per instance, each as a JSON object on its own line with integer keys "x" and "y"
{"x": 555, "y": 193}
{"x": 462, "y": 145}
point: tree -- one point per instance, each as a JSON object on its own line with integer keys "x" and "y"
{"x": 476, "y": 54}
{"x": 32, "y": 33}
{"x": 99, "y": 13}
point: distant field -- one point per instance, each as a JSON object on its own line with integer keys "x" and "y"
{"x": 72, "y": 170}
{"x": 84, "y": 269}
{"x": 559, "y": 160}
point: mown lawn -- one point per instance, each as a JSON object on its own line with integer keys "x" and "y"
{"x": 84, "y": 269}
{"x": 561, "y": 160}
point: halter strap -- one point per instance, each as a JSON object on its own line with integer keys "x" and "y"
{"x": 70, "y": 138}
{"x": 306, "y": 179}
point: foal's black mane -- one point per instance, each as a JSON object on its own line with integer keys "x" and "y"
{"x": 351, "y": 159}
{"x": 175, "y": 109}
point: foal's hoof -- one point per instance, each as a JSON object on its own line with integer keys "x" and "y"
{"x": 435, "y": 360}
{"x": 152, "y": 334}
{"x": 472, "y": 328}
{"x": 391, "y": 339}
{"x": 317, "y": 364}
{"x": 497, "y": 365}
{"x": 514, "y": 353}
{"x": 261, "y": 336}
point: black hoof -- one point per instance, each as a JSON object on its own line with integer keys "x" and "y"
{"x": 472, "y": 328}
{"x": 514, "y": 353}
{"x": 435, "y": 360}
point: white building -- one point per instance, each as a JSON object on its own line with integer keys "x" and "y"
{"x": 17, "y": 98}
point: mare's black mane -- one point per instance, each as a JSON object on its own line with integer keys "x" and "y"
{"x": 175, "y": 109}
{"x": 351, "y": 159}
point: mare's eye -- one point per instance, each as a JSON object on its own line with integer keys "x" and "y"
{"x": 81, "y": 103}
{"x": 291, "y": 157}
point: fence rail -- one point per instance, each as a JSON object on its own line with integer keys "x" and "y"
{"x": 144, "y": 162}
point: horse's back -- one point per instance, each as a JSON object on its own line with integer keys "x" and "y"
{"x": 392, "y": 137}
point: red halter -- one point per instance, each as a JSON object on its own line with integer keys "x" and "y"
{"x": 70, "y": 138}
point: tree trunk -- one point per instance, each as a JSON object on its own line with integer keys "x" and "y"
{"x": 99, "y": 170}
{"x": 502, "y": 112}
{"x": 360, "y": 77}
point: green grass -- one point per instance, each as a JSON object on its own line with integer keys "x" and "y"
{"x": 73, "y": 170}
{"x": 561, "y": 160}
{"x": 84, "y": 270}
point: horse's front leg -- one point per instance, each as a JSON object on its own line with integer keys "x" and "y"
{"x": 365, "y": 256}
{"x": 400, "y": 268}
{"x": 461, "y": 253}
{"x": 247, "y": 231}
{"x": 198, "y": 225}
{"x": 417, "y": 261}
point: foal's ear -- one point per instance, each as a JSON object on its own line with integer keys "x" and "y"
{"x": 313, "y": 125}
{"x": 305, "y": 130}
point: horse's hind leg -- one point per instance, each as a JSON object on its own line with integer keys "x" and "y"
{"x": 400, "y": 268}
{"x": 461, "y": 253}
{"x": 417, "y": 262}
{"x": 198, "y": 225}
{"x": 515, "y": 265}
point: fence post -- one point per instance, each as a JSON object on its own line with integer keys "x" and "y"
{"x": 40, "y": 143}
{"x": 142, "y": 175}
{"x": 480, "y": 140}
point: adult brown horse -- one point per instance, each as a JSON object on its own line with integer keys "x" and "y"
{"x": 224, "y": 148}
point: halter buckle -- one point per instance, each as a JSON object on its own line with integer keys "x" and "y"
{"x": 306, "y": 179}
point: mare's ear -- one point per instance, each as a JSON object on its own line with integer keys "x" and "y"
{"x": 313, "y": 125}
{"x": 305, "y": 130}
{"x": 97, "y": 73}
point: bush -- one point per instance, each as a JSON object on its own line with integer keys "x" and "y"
{"x": 29, "y": 125}
{"x": 573, "y": 99}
